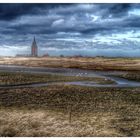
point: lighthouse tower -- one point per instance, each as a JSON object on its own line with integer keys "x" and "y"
{"x": 34, "y": 49}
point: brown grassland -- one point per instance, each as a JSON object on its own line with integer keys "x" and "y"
{"x": 96, "y": 63}
{"x": 63, "y": 110}
{"x": 67, "y": 110}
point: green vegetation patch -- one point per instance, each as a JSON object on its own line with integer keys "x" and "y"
{"x": 7, "y": 78}
{"x": 134, "y": 75}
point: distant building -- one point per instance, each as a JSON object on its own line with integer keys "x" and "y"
{"x": 23, "y": 55}
{"x": 45, "y": 55}
{"x": 61, "y": 55}
{"x": 34, "y": 49}
{"x": 76, "y": 56}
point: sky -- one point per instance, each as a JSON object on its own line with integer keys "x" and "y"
{"x": 111, "y": 30}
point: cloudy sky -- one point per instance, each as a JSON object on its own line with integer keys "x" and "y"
{"x": 71, "y": 29}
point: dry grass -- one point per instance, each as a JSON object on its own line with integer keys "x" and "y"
{"x": 48, "y": 123}
{"x": 45, "y": 111}
{"x": 97, "y": 63}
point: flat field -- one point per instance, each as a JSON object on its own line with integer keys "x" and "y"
{"x": 68, "y": 110}
{"x": 63, "y": 110}
{"x": 96, "y": 63}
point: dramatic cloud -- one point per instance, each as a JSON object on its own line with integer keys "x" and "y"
{"x": 71, "y": 29}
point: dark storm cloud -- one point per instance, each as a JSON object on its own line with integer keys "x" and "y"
{"x": 116, "y": 10}
{"x": 12, "y": 11}
{"x": 132, "y": 22}
{"x": 63, "y": 13}
{"x": 70, "y": 26}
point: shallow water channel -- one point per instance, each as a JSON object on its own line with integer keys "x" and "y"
{"x": 120, "y": 82}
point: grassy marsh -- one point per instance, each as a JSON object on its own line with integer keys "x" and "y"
{"x": 45, "y": 111}
{"x": 7, "y": 78}
{"x": 133, "y": 75}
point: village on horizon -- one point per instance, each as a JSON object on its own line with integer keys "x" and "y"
{"x": 35, "y": 52}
